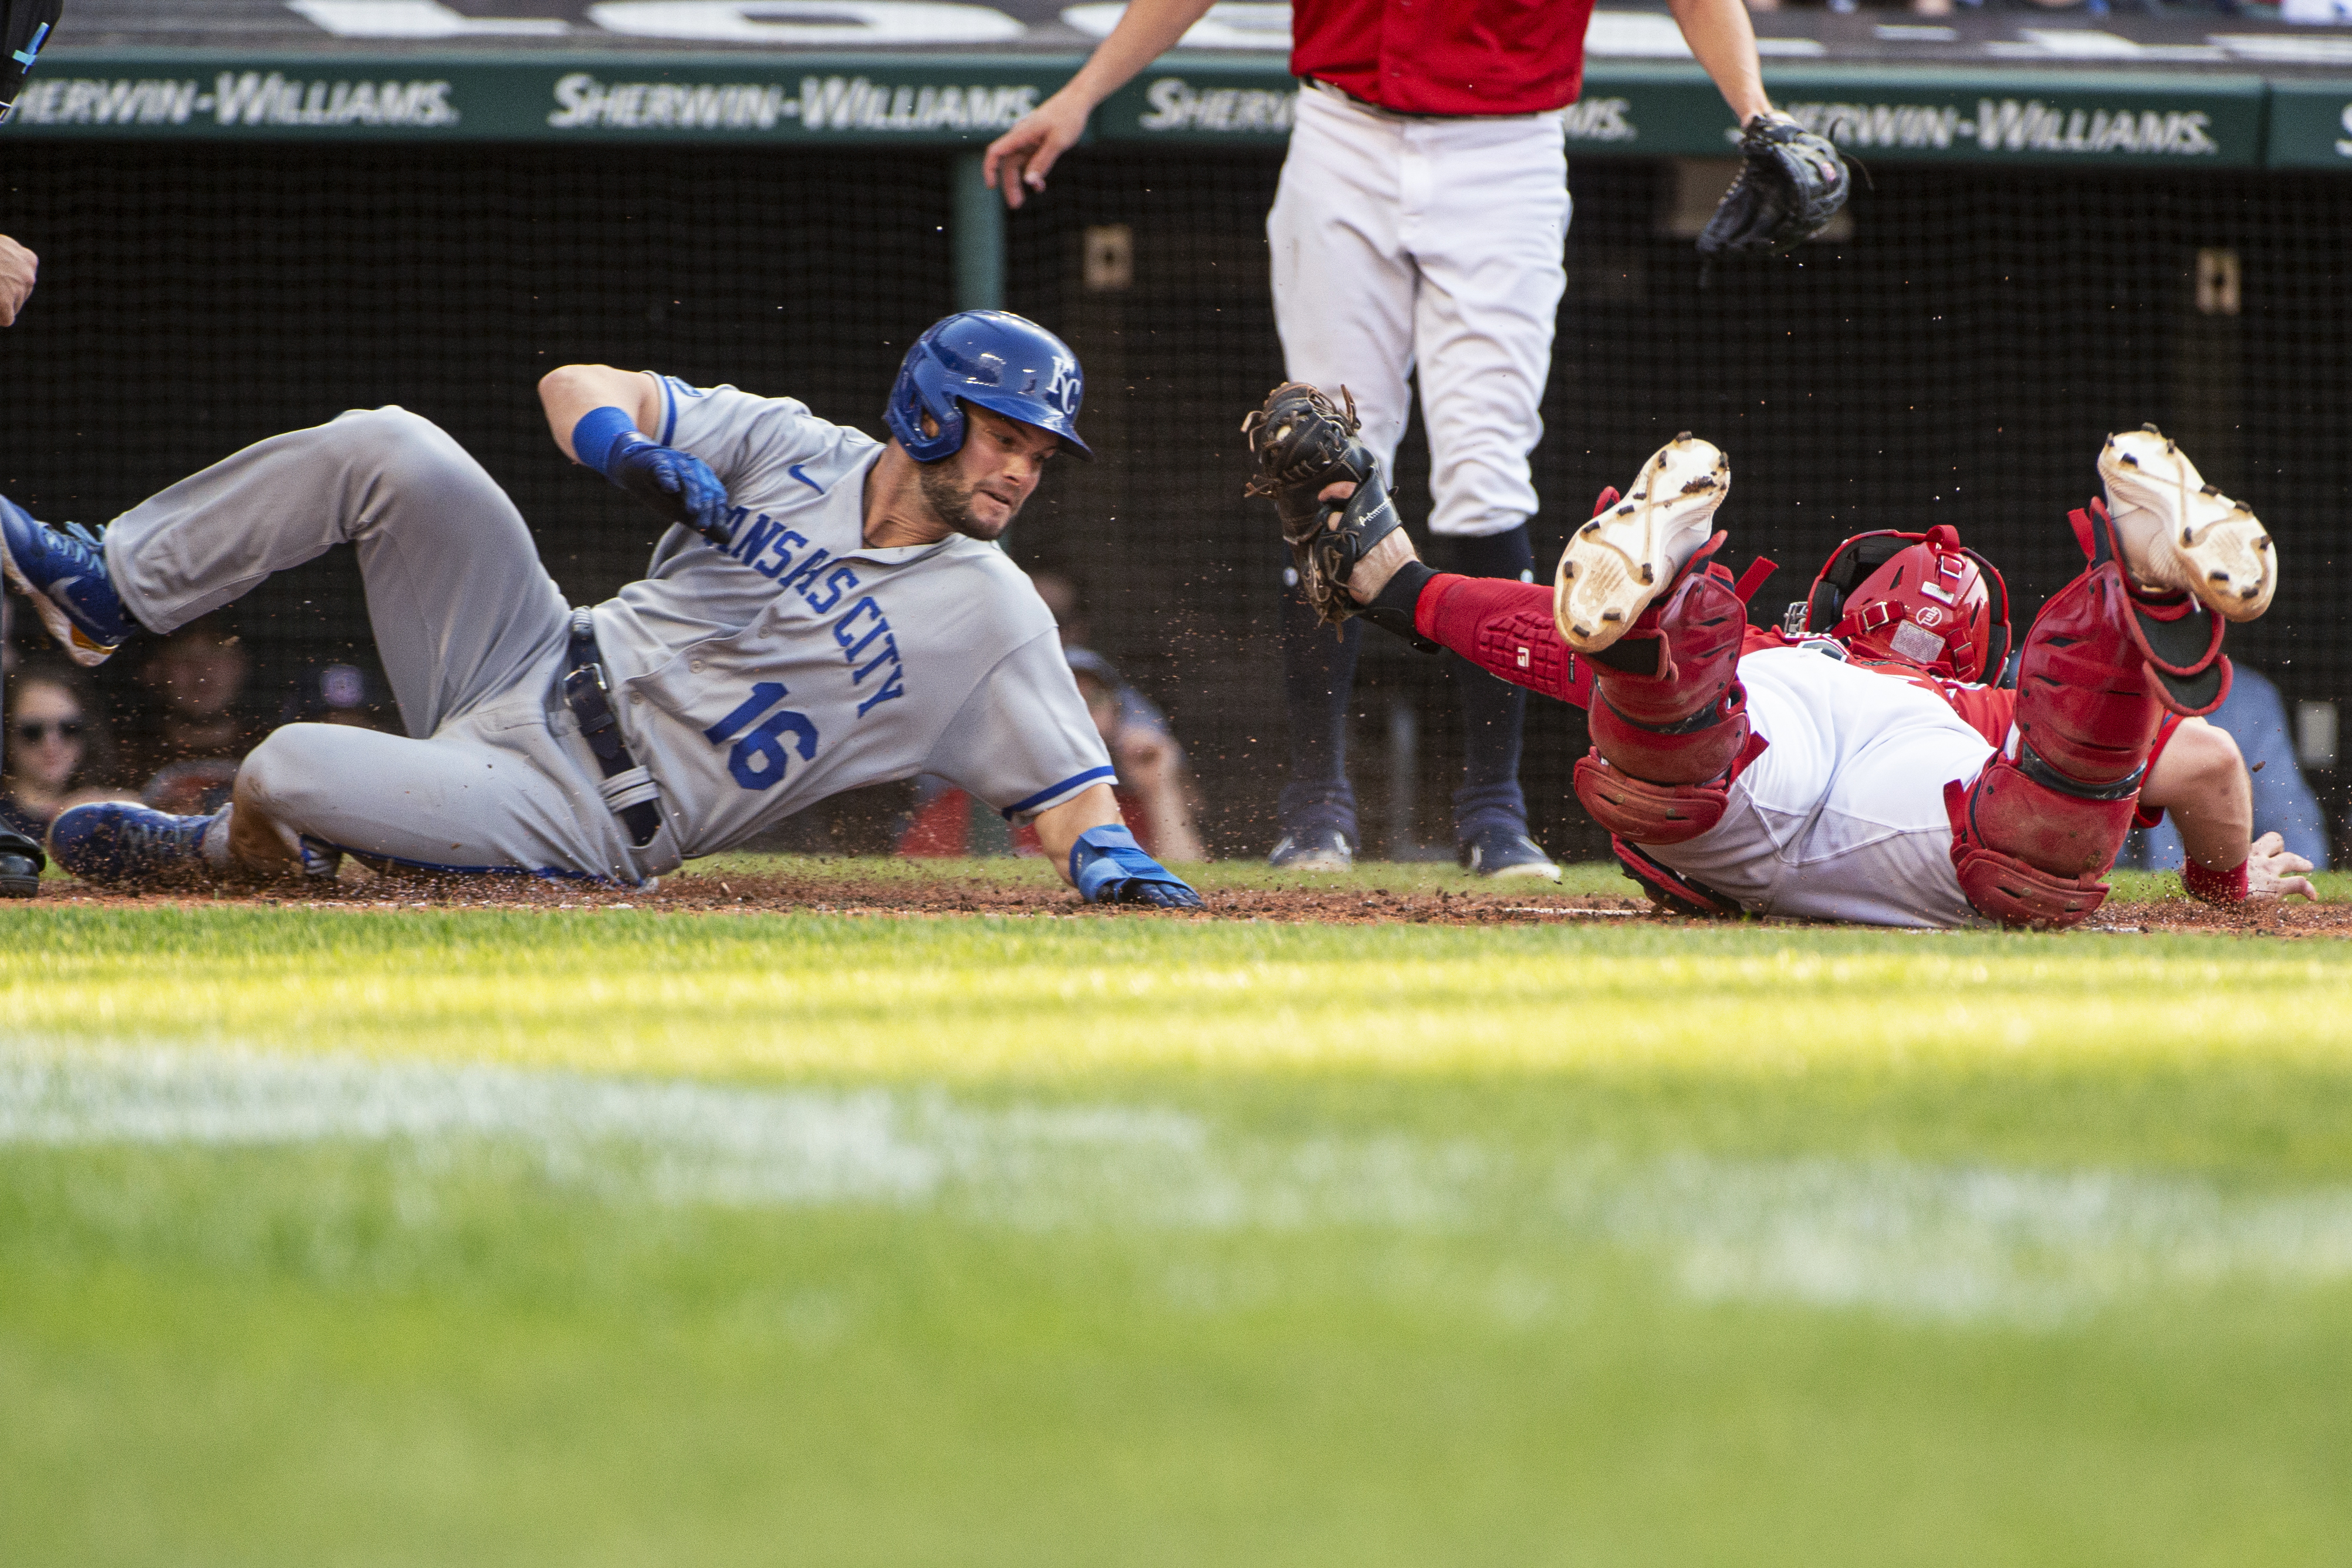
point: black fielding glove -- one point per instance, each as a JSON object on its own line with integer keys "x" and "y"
{"x": 1792, "y": 184}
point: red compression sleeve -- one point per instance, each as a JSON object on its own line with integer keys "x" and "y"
{"x": 2214, "y": 887}
{"x": 1506, "y": 629}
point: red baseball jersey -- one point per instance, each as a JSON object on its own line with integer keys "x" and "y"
{"x": 1444, "y": 56}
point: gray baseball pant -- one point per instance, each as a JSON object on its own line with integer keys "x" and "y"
{"x": 473, "y": 633}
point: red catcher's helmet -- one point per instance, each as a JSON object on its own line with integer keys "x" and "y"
{"x": 1923, "y": 598}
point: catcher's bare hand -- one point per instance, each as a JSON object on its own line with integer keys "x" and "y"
{"x": 18, "y": 268}
{"x": 2271, "y": 870}
{"x": 1037, "y": 141}
{"x": 1380, "y": 563}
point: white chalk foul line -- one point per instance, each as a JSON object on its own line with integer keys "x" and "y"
{"x": 1961, "y": 1244}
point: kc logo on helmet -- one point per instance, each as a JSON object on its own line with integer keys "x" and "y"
{"x": 1064, "y": 391}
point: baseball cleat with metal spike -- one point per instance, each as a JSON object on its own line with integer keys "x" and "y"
{"x": 63, "y": 572}
{"x": 2178, "y": 531}
{"x": 1616, "y": 564}
{"x": 122, "y": 844}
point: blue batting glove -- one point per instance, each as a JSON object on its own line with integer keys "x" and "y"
{"x": 1110, "y": 867}
{"x": 677, "y": 486}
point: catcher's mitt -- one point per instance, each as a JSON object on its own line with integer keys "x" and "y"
{"x": 1791, "y": 186}
{"x": 1303, "y": 442}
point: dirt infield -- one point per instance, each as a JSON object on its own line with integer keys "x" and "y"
{"x": 837, "y": 887}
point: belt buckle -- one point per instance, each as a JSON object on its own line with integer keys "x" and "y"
{"x": 583, "y": 678}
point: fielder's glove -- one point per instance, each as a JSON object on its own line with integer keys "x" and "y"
{"x": 1303, "y": 442}
{"x": 1110, "y": 867}
{"x": 1792, "y": 184}
{"x": 677, "y": 486}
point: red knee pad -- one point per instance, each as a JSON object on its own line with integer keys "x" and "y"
{"x": 1644, "y": 812}
{"x": 1715, "y": 739}
{"x": 1667, "y": 703}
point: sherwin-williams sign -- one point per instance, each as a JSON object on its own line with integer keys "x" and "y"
{"x": 2210, "y": 121}
{"x": 2311, "y": 125}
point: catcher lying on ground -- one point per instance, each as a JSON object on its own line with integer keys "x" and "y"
{"x": 1861, "y": 776}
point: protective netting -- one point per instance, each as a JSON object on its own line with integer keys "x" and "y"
{"x": 1956, "y": 358}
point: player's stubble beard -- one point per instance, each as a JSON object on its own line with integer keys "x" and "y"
{"x": 950, "y": 500}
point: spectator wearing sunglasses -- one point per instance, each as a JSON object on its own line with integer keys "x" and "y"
{"x": 59, "y": 752}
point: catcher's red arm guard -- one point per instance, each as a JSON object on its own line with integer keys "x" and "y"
{"x": 1506, "y": 629}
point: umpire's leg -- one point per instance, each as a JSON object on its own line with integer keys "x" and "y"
{"x": 460, "y": 605}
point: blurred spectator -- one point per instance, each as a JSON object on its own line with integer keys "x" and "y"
{"x": 1153, "y": 791}
{"x": 1061, "y": 596}
{"x": 197, "y": 723}
{"x": 2256, "y": 717}
{"x": 59, "y": 752}
{"x": 334, "y": 694}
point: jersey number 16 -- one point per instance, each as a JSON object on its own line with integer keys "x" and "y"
{"x": 758, "y": 760}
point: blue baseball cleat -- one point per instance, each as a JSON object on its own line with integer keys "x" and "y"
{"x": 118, "y": 843}
{"x": 63, "y": 572}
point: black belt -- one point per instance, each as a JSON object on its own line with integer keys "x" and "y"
{"x": 589, "y": 696}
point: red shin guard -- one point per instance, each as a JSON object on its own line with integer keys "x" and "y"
{"x": 1669, "y": 716}
{"x": 2032, "y": 837}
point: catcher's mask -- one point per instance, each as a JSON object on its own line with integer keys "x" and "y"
{"x": 1004, "y": 363}
{"x": 1923, "y": 598}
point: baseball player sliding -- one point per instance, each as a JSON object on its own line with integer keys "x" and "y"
{"x": 826, "y": 611}
{"x": 1744, "y": 770}
{"x": 1418, "y": 228}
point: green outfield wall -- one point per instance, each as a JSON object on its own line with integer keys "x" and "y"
{"x": 2169, "y": 120}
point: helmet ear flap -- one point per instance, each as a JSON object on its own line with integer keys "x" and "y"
{"x": 1825, "y": 607}
{"x": 1998, "y": 636}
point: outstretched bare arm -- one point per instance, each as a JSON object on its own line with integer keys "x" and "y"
{"x": 1023, "y": 155}
{"x": 2201, "y": 782}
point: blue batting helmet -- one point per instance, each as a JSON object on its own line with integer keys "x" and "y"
{"x": 1004, "y": 363}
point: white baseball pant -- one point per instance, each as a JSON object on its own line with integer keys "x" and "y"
{"x": 1842, "y": 816}
{"x": 1402, "y": 242}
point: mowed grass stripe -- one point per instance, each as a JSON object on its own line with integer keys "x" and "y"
{"x": 983, "y": 998}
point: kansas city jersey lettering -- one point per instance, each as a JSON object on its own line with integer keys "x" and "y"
{"x": 862, "y": 632}
{"x": 796, "y": 660}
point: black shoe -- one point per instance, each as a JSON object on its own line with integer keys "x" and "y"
{"x": 1505, "y": 854}
{"x": 20, "y": 866}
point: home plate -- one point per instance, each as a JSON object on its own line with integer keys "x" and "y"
{"x": 1556, "y": 910}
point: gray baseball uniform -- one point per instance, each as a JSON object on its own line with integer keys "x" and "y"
{"x": 749, "y": 682}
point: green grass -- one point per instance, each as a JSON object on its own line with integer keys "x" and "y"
{"x": 435, "y": 1236}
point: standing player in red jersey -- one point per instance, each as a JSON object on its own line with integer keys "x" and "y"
{"x": 1419, "y": 224}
